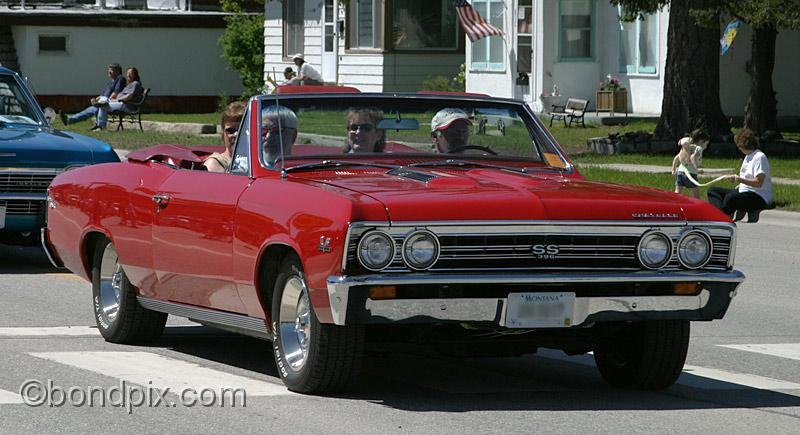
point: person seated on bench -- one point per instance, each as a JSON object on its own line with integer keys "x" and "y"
{"x": 231, "y": 118}
{"x": 123, "y": 101}
{"x": 753, "y": 192}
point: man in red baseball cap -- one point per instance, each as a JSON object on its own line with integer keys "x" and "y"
{"x": 450, "y": 130}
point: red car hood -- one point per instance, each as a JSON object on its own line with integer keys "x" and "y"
{"x": 489, "y": 194}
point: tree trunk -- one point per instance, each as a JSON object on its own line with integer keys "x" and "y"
{"x": 691, "y": 78}
{"x": 761, "y": 112}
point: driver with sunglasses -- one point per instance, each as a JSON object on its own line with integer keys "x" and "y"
{"x": 363, "y": 135}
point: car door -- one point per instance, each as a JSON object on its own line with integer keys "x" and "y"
{"x": 193, "y": 238}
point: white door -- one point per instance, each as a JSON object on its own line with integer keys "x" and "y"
{"x": 330, "y": 40}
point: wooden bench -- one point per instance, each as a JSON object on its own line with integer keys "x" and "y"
{"x": 135, "y": 117}
{"x": 574, "y": 110}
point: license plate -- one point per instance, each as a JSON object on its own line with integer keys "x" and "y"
{"x": 540, "y": 310}
{"x": 2, "y": 217}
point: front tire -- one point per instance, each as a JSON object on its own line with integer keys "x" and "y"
{"x": 311, "y": 357}
{"x": 644, "y": 355}
{"x": 118, "y": 315}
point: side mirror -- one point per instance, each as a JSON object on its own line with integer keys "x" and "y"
{"x": 49, "y": 115}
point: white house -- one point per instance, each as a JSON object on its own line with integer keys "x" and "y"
{"x": 64, "y": 48}
{"x": 393, "y": 45}
{"x": 374, "y": 45}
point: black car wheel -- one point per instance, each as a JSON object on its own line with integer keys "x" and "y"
{"x": 311, "y": 357}
{"x": 118, "y": 315}
{"x": 644, "y": 355}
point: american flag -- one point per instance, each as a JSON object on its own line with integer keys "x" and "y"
{"x": 473, "y": 23}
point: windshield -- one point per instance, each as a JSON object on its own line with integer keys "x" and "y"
{"x": 14, "y": 106}
{"x": 303, "y": 129}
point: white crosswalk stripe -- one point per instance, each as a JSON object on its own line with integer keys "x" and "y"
{"x": 783, "y": 350}
{"x": 7, "y": 397}
{"x": 698, "y": 377}
{"x": 725, "y": 380}
{"x": 157, "y": 371}
{"x": 53, "y": 331}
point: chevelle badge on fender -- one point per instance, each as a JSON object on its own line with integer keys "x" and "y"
{"x": 348, "y": 218}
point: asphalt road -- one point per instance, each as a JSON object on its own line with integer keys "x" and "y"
{"x": 742, "y": 374}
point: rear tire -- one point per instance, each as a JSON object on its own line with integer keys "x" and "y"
{"x": 118, "y": 315}
{"x": 311, "y": 357}
{"x": 644, "y": 355}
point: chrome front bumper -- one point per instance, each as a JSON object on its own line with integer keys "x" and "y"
{"x": 710, "y": 303}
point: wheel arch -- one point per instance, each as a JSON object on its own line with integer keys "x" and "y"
{"x": 88, "y": 246}
{"x": 268, "y": 266}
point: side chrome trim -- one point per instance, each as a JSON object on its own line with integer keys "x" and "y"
{"x": 238, "y": 322}
{"x": 47, "y": 249}
{"x": 339, "y": 286}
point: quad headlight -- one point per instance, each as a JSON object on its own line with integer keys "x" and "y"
{"x": 420, "y": 250}
{"x": 375, "y": 250}
{"x": 655, "y": 249}
{"x": 694, "y": 249}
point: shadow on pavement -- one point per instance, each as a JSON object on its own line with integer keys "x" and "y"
{"x": 424, "y": 383}
{"x": 25, "y": 260}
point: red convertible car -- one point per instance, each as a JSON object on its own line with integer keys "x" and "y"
{"x": 348, "y": 218}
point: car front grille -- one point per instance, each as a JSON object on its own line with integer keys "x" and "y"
{"x": 25, "y": 182}
{"x": 510, "y": 248}
{"x": 21, "y": 207}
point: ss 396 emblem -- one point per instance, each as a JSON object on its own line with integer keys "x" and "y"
{"x": 545, "y": 251}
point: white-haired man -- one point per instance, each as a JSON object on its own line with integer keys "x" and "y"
{"x": 278, "y": 132}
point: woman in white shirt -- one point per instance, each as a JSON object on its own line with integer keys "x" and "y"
{"x": 753, "y": 192}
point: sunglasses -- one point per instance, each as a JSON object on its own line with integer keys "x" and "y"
{"x": 231, "y": 130}
{"x": 366, "y": 128}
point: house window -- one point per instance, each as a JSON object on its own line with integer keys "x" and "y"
{"x": 365, "y": 24}
{"x": 576, "y": 22}
{"x": 638, "y": 45}
{"x": 424, "y": 25}
{"x": 52, "y": 43}
{"x": 524, "y": 36}
{"x": 487, "y": 52}
{"x": 293, "y": 27}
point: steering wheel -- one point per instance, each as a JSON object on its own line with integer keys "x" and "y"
{"x": 463, "y": 148}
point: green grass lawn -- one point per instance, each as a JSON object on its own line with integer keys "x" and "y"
{"x": 786, "y": 197}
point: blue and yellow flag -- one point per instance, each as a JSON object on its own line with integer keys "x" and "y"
{"x": 727, "y": 36}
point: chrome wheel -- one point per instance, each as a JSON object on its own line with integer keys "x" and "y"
{"x": 294, "y": 322}
{"x": 111, "y": 275}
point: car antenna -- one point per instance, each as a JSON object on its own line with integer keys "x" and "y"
{"x": 284, "y": 174}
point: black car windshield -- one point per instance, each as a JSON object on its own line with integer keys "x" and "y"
{"x": 14, "y": 106}
{"x": 301, "y": 128}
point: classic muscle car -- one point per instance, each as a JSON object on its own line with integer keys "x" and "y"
{"x": 31, "y": 154}
{"x": 348, "y": 218}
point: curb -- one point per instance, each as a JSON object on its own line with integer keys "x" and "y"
{"x": 179, "y": 127}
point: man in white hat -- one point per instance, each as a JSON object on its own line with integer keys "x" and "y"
{"x": 306, "y": 73}
{"x": 450, "y": 130}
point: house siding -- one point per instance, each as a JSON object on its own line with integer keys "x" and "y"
{"x": 156, "y": 53}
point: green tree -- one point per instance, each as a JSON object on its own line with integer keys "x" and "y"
{"x": 765, "y": 18}
{"x": 243, "y": 45}
{"x": 691, "y": 76}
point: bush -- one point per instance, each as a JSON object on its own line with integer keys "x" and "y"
{"x": 442, "y": 83}
{"x": 243, "y": 46}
